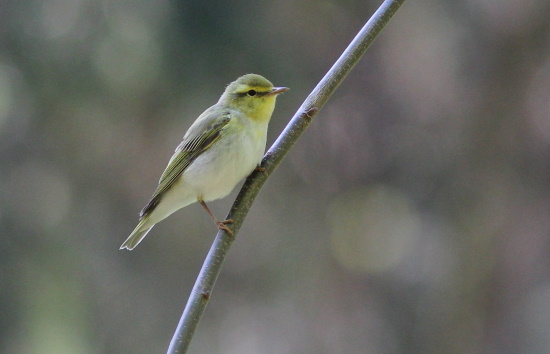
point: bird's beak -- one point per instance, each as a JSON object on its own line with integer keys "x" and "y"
{"x": 277, "y": 90}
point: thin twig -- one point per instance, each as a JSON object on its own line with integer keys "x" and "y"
{"x": 312, "y": 105}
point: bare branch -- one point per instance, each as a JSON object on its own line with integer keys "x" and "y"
{"x": 312, "y": 105}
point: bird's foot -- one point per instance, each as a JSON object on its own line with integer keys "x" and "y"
{"x": 261, "y": 169}
{"x": 222, "y": 225}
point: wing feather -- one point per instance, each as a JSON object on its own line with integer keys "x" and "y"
{"x": 202, "y": 135}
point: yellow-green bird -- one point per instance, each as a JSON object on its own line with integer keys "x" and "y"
{"x": 221, "y": 147}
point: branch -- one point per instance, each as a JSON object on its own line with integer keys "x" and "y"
{"x": 312, "y": 105}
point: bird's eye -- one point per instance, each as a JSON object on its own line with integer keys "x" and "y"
{"x": 251, "y": 93}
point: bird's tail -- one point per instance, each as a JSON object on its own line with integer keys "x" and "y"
{"x": 137, "y": 235}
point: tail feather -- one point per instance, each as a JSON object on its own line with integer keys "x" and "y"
{"x": 136, "y": 236}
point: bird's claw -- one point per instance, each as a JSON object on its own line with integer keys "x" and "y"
{"x": 222, "y": 225}
{"x": 261, "y": 169}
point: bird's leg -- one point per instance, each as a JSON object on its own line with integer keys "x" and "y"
{"x": 221, "y": 224}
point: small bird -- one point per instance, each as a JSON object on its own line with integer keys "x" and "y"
{"x": 223, "y": 146}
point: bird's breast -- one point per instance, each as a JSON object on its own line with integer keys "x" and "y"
{"x": 217, "y": 171}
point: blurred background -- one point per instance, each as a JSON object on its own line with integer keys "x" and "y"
{"x": 412, "y": 217}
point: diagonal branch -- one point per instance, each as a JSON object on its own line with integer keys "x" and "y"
{"x": 312, "y": 105}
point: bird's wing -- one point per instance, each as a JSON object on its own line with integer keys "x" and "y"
{"x": 200, "y": 136}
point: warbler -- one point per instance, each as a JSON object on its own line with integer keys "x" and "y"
{"x": 224, "y": 145}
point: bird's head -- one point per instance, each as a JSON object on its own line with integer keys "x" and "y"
{"x": 253, "y": 95}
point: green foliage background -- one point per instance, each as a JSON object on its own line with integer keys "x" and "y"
{"x": 413, "y": 216}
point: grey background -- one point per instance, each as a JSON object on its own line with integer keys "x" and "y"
{"x": 412, "y": 217}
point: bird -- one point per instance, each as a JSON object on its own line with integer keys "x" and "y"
{"x": 223, "y": 146}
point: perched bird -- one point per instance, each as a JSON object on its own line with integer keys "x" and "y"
{"x": 221, "y": 147}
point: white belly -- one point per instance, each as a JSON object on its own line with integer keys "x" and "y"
{"x": 214, "y": 174}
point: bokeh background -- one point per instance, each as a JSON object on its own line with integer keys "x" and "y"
{"x": 412, "y": 217}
